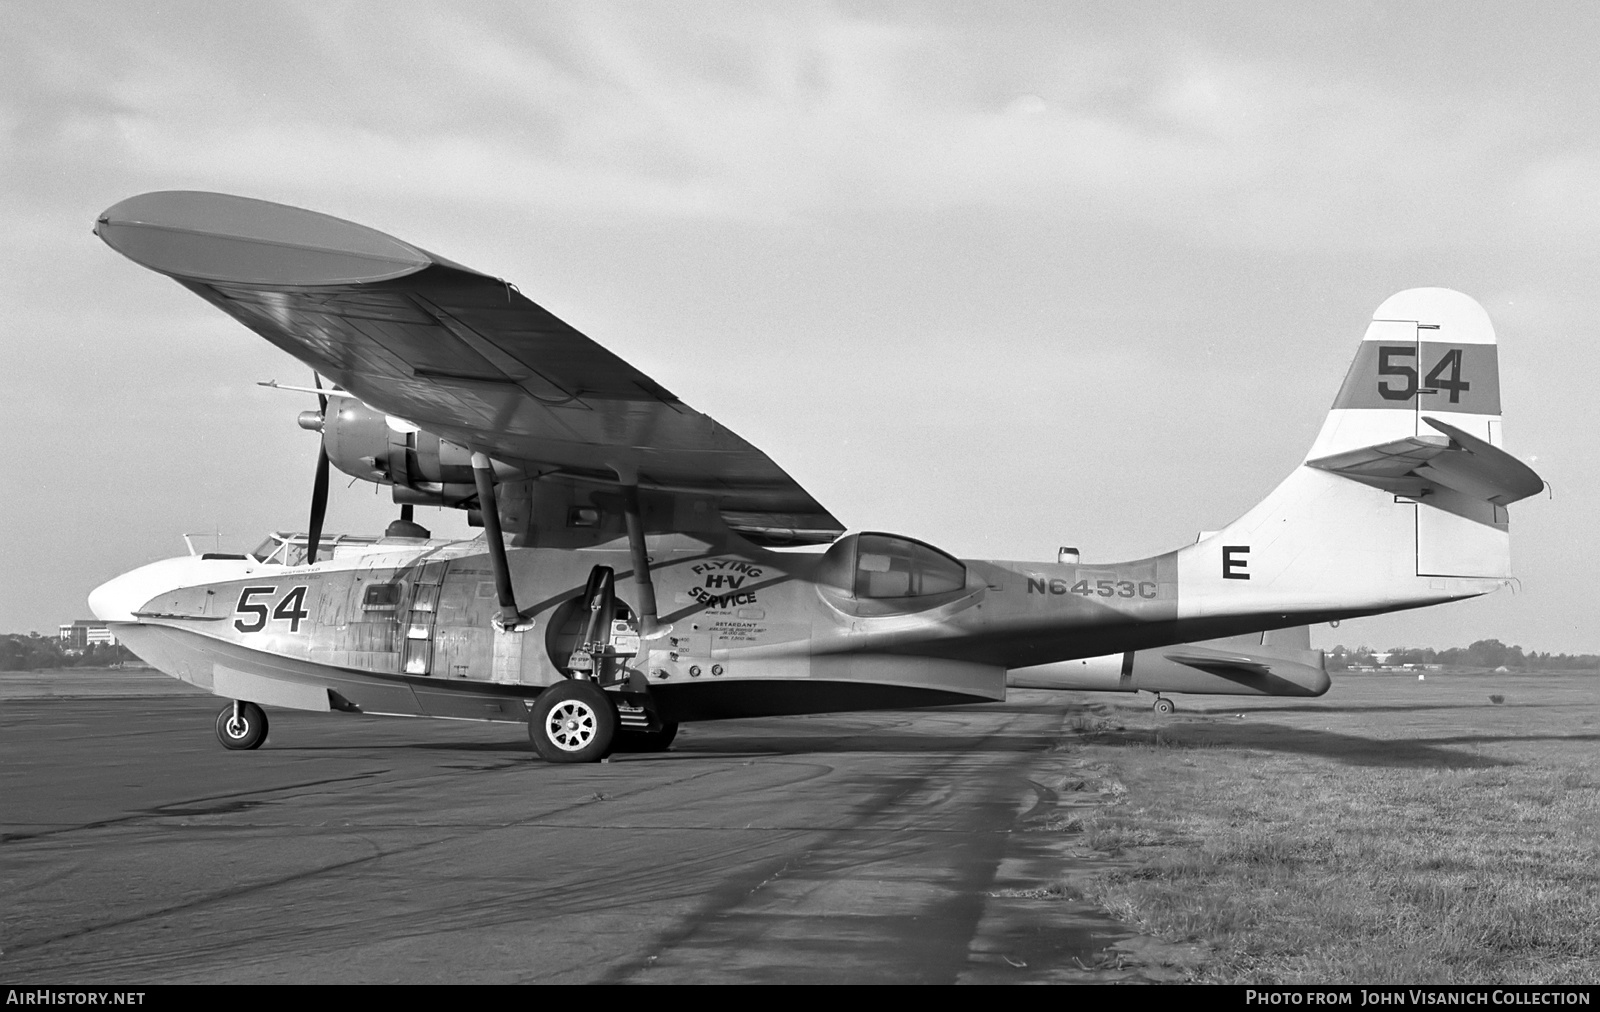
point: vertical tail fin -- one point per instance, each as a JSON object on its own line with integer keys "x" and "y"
{"x": 1402, "y": 500}
{"x": 1419, "y": 416}
{"x": 1427, "y": 351}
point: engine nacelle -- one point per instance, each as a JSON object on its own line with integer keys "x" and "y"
{"x": 423, "y": 468}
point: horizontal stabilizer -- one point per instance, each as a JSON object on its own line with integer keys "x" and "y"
{"x": 1418, "y": 465}
{"x": 1219, "y": 663}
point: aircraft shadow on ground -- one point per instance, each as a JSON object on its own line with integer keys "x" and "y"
{"x": 1268, "y": 711}
{"x": 1065, "y": 706}
{"x": 1352, "y": 749}
{"x": 510, "y": 745}
{"x": 745, "y": 745}
{"x": 707, "y": 741}
{"x": 874, "y": 741}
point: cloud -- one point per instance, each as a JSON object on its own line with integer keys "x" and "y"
{"x": 791, "y": 115}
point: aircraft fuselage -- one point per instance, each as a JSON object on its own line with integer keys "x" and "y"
{"x": 875, "y": 622}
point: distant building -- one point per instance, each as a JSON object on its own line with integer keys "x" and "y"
{"x": 84, "y": 633}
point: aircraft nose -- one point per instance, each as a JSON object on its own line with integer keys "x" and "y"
{"x": 117, "y": 599}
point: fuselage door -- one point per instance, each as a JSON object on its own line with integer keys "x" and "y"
{"x": 417, "y": 655}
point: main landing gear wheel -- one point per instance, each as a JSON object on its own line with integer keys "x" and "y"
{"x": 241, "y": 726}
{"x": 1164, "y": 706}
{"x": 573, "y": 722}
{"x": 647, "y": 741}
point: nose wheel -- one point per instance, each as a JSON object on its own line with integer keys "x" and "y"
{"x": 241, "y": 726}
{"x": 1164, "y": 706}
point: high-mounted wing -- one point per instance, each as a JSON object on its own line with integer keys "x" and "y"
{"x": 461, "y": 354}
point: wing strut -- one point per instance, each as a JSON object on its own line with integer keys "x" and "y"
{"x": 641, "y": 560}
{"x": 483, "y": 476}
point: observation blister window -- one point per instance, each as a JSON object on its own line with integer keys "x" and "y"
{"x": 888, "y": 566}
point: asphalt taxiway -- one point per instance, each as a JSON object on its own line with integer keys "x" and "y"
{"x": 890, "y": 847}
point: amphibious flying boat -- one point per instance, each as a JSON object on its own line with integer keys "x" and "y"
{"x": 629, "y": 576}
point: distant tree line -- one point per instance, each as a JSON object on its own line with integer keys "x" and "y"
{"x": 32, "y": 652}
{"x": 1482, "y": 654}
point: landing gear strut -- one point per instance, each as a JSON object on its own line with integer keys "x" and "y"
{"x": 578, "y": 720}
{"x": 241, "y": 726}
{"x": 591, "y": 658}
{"x": 1163, "y": 705}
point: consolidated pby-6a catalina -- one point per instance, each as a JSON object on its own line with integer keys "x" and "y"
{"x": 626, "y": 579}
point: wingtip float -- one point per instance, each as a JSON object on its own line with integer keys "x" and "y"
{"x": 206, "y": 236}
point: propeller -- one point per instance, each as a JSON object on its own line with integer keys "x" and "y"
{"x": 318, "y": 421}
{"x": 319, "y": 486}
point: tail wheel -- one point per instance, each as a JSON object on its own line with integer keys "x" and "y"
{"x": 573, "y": 722}
{"x": 1164, "y": 706}
{"x": 241, "y": 726}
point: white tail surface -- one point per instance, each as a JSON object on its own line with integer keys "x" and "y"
{"x": 1401, "y": 501}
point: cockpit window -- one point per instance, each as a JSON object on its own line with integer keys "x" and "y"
{"x": 267, "y": 549}
{"x": 888, "y": 566}
{"x": 285, "y": 549}
{"x": 289, "y": 549}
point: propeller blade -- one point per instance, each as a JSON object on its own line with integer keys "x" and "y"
{"x": 319, "y": 504}
{"x": 319, "y": 486}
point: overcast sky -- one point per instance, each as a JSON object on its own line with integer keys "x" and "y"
{"x": 1002, "y": 277}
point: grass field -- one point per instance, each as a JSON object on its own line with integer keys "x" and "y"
{"x": 1392, "y": 831}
